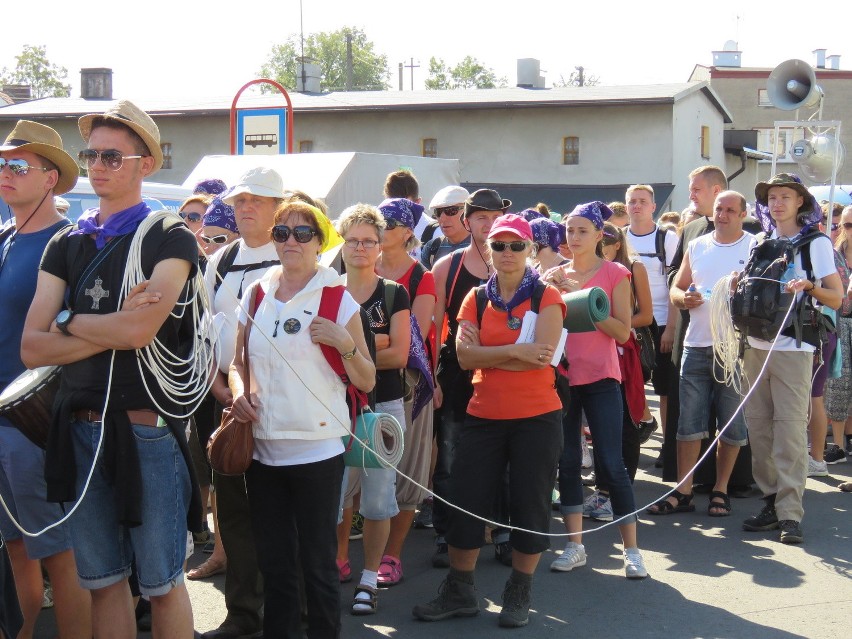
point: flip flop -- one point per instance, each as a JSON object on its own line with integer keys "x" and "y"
{"x": 206, "y": 570}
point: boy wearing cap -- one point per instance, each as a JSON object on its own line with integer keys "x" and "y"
{"x": 123, "y": 516}
{"x": 33, "y": 169}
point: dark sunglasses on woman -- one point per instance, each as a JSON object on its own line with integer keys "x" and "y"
{"x": 302, "y": 233}
{"x": 499, "y": 247}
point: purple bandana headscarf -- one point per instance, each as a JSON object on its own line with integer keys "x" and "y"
{"x": 220, "y": 214}
{"x": 596, "y": 212}
{"x": 120, "y": 223}
{"x": 547, "y": 233}
{"x": 210, "y": 187}
{"x": 524, "y": 292}
{"x": 403, "y": 211}
{"x": 531, "y": 214}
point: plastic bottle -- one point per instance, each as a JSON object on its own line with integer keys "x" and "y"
{"x": 788, "y": 275}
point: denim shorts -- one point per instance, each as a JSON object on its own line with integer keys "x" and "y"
{"x": 105, "y": 549}
{"x": 377, "y": 485}
{"x": 25, "y": 493}
{"x": 698, "y": 391}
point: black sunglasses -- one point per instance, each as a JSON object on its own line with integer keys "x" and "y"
{"x": 517, "y": 247}
{"x": 302, "y": 233}
{"x": 19, "y": 167}
{"x": 391, "y": 224}
{"x": 192, "y": 217}
{"x": 449, "y": 210}
{"x": 216, "y": 239}
{"x": 112, "y": 159}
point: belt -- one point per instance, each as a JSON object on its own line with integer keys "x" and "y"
{"x": 142, "y": 417}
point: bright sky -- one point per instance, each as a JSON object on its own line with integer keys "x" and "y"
{"x": 182, "y": 48}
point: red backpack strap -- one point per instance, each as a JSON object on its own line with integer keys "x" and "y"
{"x": 258, "y": 298}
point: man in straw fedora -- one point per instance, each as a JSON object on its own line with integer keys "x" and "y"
{"x": 33, "y": 169}
{"x": 142, "y": 496}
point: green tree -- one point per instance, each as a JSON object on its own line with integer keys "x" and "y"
{"x": 470, "y": 73}
{"x": 329, "y": 50}
{"x": 33, "y": 68}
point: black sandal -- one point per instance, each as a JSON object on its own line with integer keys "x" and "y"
{"x": 665, "y": 507}
{"x": 372, "y": 602}
{"x": 724, "y": 505}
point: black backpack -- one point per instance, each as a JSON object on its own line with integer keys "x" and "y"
{"x": 759, "y": 305}
{"x": 659, "y": 248}
{"x": 226, "y": 265}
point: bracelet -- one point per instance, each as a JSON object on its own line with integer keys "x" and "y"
{"x": 813, "y": 286}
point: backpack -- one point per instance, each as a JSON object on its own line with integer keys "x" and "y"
{"x": 759, "y": 305}
{"x": 226, "y": 265}
{"x": 429, "y": 232}
{"x": 659, "y": 248}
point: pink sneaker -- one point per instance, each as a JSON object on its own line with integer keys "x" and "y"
{"x": 390, "y": 571}
{"x": 344, "y": 570}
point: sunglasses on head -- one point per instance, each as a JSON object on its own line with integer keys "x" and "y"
{"x": 391, "y": 224}
{"x": 112, "y": 159}
{"x": 449, "y": 210}
{"x": 302, "y": 233}
{"x": 517, "y": 247}
{"x": 192, "y": 217}
{"x": 216, "y": 239}
{"x": 19, "y": 167}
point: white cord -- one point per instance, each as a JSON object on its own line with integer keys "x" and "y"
{"x": 726, "y": 341}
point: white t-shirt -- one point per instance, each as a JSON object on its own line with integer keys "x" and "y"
{"x": 822, "y": 263}
{"x": 645, "y": 246}
{"x": 709, "y": 262}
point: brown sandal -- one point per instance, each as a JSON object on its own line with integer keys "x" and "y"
{"x": 208, "y": 569}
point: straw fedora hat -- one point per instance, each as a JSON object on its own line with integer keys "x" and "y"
{"x": 45, "y": 142}
{"x": 135, "y": 119}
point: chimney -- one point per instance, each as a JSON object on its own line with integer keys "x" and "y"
{"x": 730, "y": 56}
{"x": 820, "y": 55}
{"x": 833, "y": 62}
{"x": 529, "y": 74}
{"x": 307, "y": 76}
{"x": 18, "y": 92}
{"x": 96, "y": 84}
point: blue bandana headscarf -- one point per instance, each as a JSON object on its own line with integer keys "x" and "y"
{"x": 547, "y": 233}
{"x": 402, "y": 210}
{"x": 220, "y": 214}
{"x": 120, "y": 223}
{"x": 531, "y": 214}
{"x": 210, "y": 187}
{"x": 596, "y": 212}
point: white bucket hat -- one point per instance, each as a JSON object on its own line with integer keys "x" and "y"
{"x": 261, "y": 181}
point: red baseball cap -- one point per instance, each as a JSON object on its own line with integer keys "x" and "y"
{"x": 511, "y": 223}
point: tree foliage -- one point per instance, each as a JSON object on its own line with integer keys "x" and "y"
{"x": 328, "y": 49}
{"x": 578, "y": 78}
{"x": 470, "y": 73}
{"x": 33, "y": 68}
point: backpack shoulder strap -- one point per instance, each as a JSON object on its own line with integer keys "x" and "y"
{"x": 660, "y": 245}
{"x": 429, "y": 251}
{"x": 330, "y": 301}
{"x": 429, "y": 232}
{"x": 481, "y": 303}
{"x": 537, "y": 294}
{"x": 453, "y": 273}
{"x": 416, "y": 277}
{"x": 225, "y": 263}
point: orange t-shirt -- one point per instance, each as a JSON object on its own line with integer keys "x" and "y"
{"x": 501, "y": 394}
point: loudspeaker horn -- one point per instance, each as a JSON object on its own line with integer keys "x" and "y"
{"x": 815, "y": 157}
{"x": 792, "y": 85}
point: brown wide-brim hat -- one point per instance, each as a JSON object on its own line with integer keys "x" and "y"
{"x": 761, "y": 191}
{"x": 486, "y": 200}
{"x": 135, "y": 119}
{"x": 45, "y": 142}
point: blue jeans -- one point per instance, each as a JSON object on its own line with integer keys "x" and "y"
{"x": 105, "y": 549}
{"x": 698, "y": 390}
{"x": 601, "y": 402}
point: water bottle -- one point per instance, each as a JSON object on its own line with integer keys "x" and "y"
{"x": 788, "y": 275}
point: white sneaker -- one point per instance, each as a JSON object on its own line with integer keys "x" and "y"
{"x": 602, "y": 510}
{"x": 817, "y": 468}
{"x": 572, "y": 557}
{"x": 634, "y": 566}
{"x": 590, "y": 503}
{"x": 587, "y": 455}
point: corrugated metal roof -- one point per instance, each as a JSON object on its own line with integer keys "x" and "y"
{"x": 384, "y": 100}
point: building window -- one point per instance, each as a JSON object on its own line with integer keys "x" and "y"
{"x": 571, "y": 150}
{"x": 705, "y": 142}
{"x": 166, "y": 148}
{"x": 306, "y": 146}
{"x": 429, "y": 148}
{"x": 763, "y": 98}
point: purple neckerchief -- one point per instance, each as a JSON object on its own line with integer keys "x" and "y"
{"x": 120, "y": 223}
{"x": 524, "y": 292}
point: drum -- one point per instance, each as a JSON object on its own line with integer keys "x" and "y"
{"x": 28, "y": 402}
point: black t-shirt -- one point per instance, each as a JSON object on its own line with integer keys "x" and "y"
{"x": 94, "y": 282}
{"x": 388, "y": 382}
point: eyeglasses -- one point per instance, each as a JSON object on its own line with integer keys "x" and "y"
{"x": 302, "y": 233}
{"x": 192, "y": 217}
{"x": 367, "y": 244}
{"x": 216, "y": 239}
{"x": 19, "y": 167}
{"x": 449, "y": 210}
{"x": 847, "y": 226}
{"x": 391, "y": 224}
{"x": 111, "y": 158}
{"x": 499, "y": 247}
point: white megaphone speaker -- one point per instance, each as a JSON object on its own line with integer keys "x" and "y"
{"x": 792, "y": 85}
{"x": 815, "y": 157}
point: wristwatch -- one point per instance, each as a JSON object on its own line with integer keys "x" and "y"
{"x": 63, "y": 319}
{"x": 350, "y": 354}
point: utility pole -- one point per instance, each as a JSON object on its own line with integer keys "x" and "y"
{"x": 580, "y": 78}
{"x": 349, "y": 72}
{"x": 400, "y": 76}
{"x": 412, "y": 66}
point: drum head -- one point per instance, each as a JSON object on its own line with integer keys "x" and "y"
{"x": 25, "y": 383}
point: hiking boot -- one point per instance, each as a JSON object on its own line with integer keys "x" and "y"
{"x": 455, "y": 599}
{"x": 516, "y": 605}
{"x": 766, "y": 519}
{"x": 833, "y": 454}
{"x": 424, "y": 515}
{"x": 816, "y": 468}
{"x": 572, "y": 557}
{"x": 791, "y": 532}
{"x": 441, "y": 558}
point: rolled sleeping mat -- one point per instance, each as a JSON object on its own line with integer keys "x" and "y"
{"x": 584, "y": 308}
{"x": 382, "y": 435}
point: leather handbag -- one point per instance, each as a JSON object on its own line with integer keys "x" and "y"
{"x": 231, "y": 446}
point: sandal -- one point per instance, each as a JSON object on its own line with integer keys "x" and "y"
{"x": 390, "y": 571}
{"x": 665, "y": 507}
{"x": 344, "y": 571}
{"x": 722, "y": 508}
{"x": 208, "y": 569}
{"x": 365, "y": 606}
